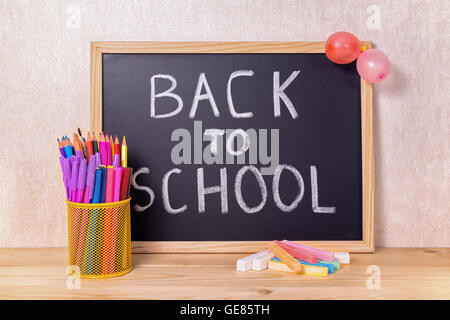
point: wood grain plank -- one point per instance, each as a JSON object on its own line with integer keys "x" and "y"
{"x": 405, "y": 274}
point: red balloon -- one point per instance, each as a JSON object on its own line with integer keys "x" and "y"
{"x": 342, "y": 47}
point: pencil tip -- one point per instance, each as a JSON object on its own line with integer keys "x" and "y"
{"x": 79, "y": 132}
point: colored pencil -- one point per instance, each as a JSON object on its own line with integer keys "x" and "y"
{"x": 67, "y": 148}
{"x": 124, "y": 154}
{"x": 117, "y": 147}
{"x": 83, "y": 144}
{"x": 71, "y": 146}
{"x": 108, "y": 151}
{"x": 61, "y": 148}
{"x": 103, "y": 154}
{"x": 111, "y": 144}
{"x": 94, "y": 143}
{"x": 89, "y": 146}
{"x": 76, "y": 143}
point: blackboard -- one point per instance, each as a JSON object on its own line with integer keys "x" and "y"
{"x": 305, "y": 115}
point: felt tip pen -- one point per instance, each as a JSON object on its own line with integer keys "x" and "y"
{"x": 98, "y": 161}
{"x": 97, "y": 186}
{"x": 109, "y": 197}
{"x": 116, "y": 161}
{"x": 103, "y": 187}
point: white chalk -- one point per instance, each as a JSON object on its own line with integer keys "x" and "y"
{"x": 342, "y": 257}
{"x": 261, "y": 262}
{"x": 245, "y": 264}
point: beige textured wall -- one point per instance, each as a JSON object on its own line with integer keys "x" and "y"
{"x": 44, "y": 92}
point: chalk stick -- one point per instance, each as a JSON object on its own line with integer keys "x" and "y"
{"x": 260, "y": 262}
{"x": 245, "y": 263}
{"x": 335, "y": 264}
{"x": 308, "y": 270}
{"x": 298, "y": 252}
{"x": 284, "y": 256}
{"x": 320, "y": 254}
{"x": 342, "y": 257}
{"x": 329, "y": 266}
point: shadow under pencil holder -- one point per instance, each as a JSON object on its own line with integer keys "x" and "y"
{"x": 100, "y": 238}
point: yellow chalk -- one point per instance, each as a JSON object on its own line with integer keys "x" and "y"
{"x": 308, "y": 270}
{"x": 284, "y": 256}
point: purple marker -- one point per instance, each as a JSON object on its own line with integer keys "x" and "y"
{"x": 90, "y": 180}
{"x": 74, "y": 180}
{"x": 68, "y": 169}
{"x": 80, "y": 154}
{"x": 62, "y": 161}
{"x": 69, "y": 162}
{"x": 98, "y": 160}
{"x": 81, "y": 180}
{"x": 116, "y": 161}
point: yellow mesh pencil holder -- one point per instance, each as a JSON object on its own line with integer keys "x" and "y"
{"x": 100, "y": 238}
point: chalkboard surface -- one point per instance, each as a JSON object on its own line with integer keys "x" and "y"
{"x": 305, "y": 107}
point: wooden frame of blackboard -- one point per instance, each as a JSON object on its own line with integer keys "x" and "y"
{"x": 364, "y": 245}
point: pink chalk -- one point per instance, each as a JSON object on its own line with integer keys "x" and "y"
{"x": 321, "y": 254}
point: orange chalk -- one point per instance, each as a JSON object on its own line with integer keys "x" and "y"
{"x": 285, "y": 257}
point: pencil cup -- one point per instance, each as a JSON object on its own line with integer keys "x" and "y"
{"x": 100, "y": 238}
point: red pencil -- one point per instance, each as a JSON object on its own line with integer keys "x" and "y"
{"x": 89, "y": 146}
{"x": 117, "y": 147}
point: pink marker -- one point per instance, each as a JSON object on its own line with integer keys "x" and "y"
{"x": 321, "y": 254}
{"x": 117, "y": 177}
{"x": 109, "y": 195}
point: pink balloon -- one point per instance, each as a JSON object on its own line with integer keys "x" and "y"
{"x": 373, "y": 65}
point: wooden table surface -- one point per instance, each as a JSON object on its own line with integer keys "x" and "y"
{"x": 405, "y": 274}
